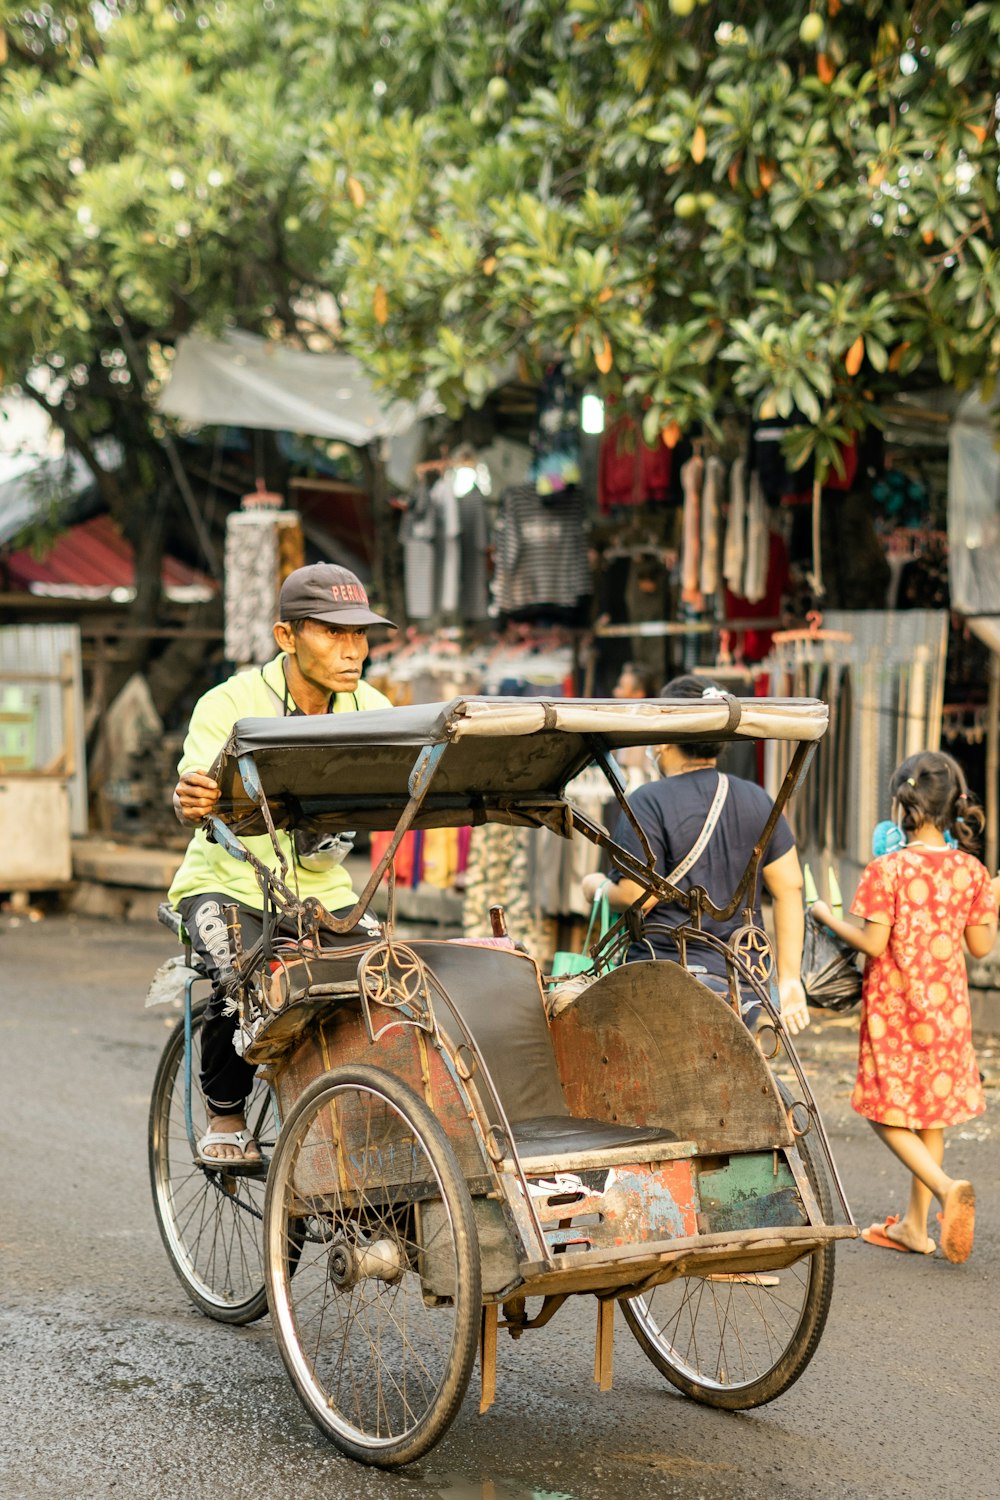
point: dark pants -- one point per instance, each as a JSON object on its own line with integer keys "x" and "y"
{"x": 226, "y": 1079}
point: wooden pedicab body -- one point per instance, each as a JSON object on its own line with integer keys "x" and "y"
{"x": 636, "y": 1138}
{"x": 645, "y": 1045}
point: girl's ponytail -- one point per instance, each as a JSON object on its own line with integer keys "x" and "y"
{"x": 930, "y": 788}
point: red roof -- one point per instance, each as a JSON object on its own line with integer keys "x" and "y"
{"x": 92, "y": 560}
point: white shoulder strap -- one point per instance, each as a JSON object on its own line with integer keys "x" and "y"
{"x": 696, "y": 851}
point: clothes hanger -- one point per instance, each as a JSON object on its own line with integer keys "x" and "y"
{"x": 812, "y": 632}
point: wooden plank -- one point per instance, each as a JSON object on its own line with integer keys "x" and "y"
{"x": 648, "y": 1045}
{"x": 579, "y": 1161}
{"x": 488, "y": 1357}
{"x": 605, "y": 1344}
{"x": 747, "y": 1192}
{"x": 627, "y": 1277}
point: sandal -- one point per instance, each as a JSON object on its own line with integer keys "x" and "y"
{"x": 958, "y": 1223}
{"x": 240, "y": 1138}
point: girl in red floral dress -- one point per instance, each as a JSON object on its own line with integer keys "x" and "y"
{"x": 917, "y": 1071}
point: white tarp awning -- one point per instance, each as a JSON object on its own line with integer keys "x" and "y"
{"x": 29, "y": 485}
{"x": 242, "y": 380}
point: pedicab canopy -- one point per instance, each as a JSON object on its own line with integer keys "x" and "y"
{"x": 469, "y": 761}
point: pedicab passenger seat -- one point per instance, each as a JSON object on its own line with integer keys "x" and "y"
{"x": 499, "y": 995}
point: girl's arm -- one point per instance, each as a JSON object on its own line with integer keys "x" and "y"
{"x": 872, "y": 939}
{"x": 980, "y": 939}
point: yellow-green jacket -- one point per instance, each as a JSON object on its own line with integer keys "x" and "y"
{"x": 207, "y": 866}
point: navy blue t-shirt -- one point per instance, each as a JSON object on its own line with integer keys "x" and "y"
{"x": 672, "y": 813}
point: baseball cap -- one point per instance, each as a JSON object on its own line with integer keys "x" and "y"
{"x": 327, "y": 592}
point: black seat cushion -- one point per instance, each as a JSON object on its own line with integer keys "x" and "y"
{"x": 499, "y": 997}
{"x": 558, "y": 1135}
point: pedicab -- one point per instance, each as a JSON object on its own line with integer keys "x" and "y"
{"x": 446, "y": 1156}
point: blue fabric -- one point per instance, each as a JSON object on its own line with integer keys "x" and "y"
{"x": 672, "y": 813}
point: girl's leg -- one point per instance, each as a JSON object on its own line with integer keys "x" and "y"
{"x": 922, "y": 1153}
{"x": 909, "y": 1147}
{"x": 921, "y": 1196}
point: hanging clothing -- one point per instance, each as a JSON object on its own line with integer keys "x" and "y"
{"x": 756, "y": 557}
{"x": 474, "y": 544}
{"x": 541, "y": 550}
{"x": 647, "y": 599}
{"x": 431, "y": 534}
{"x": 776, "y": 478}
{"x": 555, "y": 441}
{"x": 711, "y": 524}
{"x": 692, "y": 475}
{"x": 449, "y": 548}
{"x": 734, "y": 551}
{"x": 418, "y": 536}
{"x": 755, "y": 644}
{"x": 629, "y": 472}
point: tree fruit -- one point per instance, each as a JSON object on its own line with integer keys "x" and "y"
{"x": 497, "y": 90}
{"x": 682, "y": 7}
{"x": 810, "y": 29}
{"x": 825, "y": 71}
{"x": 686, "y": 206}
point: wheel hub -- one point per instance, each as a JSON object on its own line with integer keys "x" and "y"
{"x": 370, "y": 1260}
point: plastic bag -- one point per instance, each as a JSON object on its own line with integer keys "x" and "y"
{"x": 831, "y": 972}
{"x": 566, "y": 965}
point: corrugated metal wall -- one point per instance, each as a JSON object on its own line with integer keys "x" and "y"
{"x": 40, "y": 649}
{"x": 897, "y": 664}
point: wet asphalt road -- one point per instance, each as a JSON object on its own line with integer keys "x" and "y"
{"x": 112, "y": 1384}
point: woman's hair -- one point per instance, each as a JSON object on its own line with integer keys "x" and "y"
{"x": 694, "y": 687}
{"x": 643, "y": 677}
{"x": 930, "y": 788}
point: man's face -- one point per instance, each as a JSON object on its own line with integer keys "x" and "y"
{"x": 626, "y": 687}
{"x": 329, "y": 657}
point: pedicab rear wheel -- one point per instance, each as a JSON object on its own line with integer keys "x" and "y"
{"x": 367, "y": 1205}
{"x": 211, "y": 1222}
{"x": 737, "y": 1343}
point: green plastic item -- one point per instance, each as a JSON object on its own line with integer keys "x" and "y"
{"x": 810, "y": 891}
{"x": 836, "y": 898}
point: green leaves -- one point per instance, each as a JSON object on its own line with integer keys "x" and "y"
{"x": 690, "y": 210}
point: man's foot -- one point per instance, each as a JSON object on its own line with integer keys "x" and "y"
{"x": 896, "y": 1234}
{"x": 240, "y": 1147}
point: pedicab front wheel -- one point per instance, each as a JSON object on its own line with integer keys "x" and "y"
{"x": 735, "y": 1342}
{"x": 367, "y": 1205}
{"x": 210, "y": 1221}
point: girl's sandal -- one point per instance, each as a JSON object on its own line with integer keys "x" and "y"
{"x": 878, "y": 1234}
{"x": 958, "y": 1222}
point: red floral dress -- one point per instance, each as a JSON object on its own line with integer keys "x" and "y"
{"x": 916, "y": 1064}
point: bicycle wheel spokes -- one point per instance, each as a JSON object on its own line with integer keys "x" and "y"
{"x": 210, "y": 1222}
{"x": 379, "y": 1325}
{"x": 736, "y": 1341}
{"x": 726, "y": 1333}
